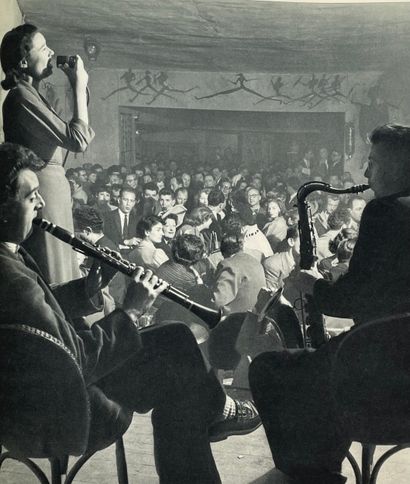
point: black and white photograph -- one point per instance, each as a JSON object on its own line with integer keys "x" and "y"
{"x": 204, "y": 242}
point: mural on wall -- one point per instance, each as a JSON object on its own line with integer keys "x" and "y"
{"x": 315, "y": 90}
{"x": 239, "y": 82}
{"x": 153, "y": 85}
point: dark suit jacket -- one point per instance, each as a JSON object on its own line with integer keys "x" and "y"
{"x": 112, "y": 226}
{"x": 378, "y": 279}
{"x": 26, "y": 299}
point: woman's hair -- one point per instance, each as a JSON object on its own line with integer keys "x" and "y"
{"x": 345, "y": 234}
{"x": 13, "y": 159}
{"x": 291, "y": 233}
{"x": 232, "y": 224}
{"x": 338, "y": 218}
{"x": 197, "y": 216}
{"x": 345, "y": 250}
{"x": 14, "y": 47}
{"x": 88, "y": 217}
{"x": 146, "y": 224}
{"x": 231, "y": 244}
{"x": 187, "y": 249}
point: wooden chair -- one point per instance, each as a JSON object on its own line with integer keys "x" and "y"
{"x": 371, "y": 377}
{"x": 45, "y": 408}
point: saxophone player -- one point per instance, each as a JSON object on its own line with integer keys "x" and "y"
{"x": 292, "y": 390}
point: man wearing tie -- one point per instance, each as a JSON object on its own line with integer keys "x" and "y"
{"x": 120, "y": 224}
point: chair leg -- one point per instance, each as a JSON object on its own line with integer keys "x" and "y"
{"x": 35, "y": 469}
{"x": 367, "y": 462}
{"x": 383, "y": 459}
{"x": 355, "y": 467}
{"x": 56, "y": 470}
{"x": 76, "y": 467}
{"x": 122, "y": 471}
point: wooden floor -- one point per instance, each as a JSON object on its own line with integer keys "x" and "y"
{"x": 239, "y": 459}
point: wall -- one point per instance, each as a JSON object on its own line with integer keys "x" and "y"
{"x": 10, "y": 17}
{"x": 303, "y": 92}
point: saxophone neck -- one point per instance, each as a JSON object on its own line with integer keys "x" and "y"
{"x": 312, "y": 186}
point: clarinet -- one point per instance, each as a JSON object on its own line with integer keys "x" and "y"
{"x": 317, "y": 334}
{"x": 210, "y": 316}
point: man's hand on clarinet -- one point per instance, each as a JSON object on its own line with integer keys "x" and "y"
{"x": 142, "y": 292}
{"x": 100, "y": 276}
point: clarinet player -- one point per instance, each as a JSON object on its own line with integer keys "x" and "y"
{"x": 159, "y": 368}
{"x": 292, "y": 389}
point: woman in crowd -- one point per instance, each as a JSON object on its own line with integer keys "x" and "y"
{"x": 149, "y": 230}
{"x": 276, "y": 227}
{"x": 196, "y": 222}
{"x": 29, "y": 120}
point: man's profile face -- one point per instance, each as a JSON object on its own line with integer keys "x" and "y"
{"x": 126, "y": 202}
{"x": 166, "y": 202}
{"x": 131, "y": 180}
{"x": 103, "y": 197}
{"x": 209, "y": 181}
{"x": 150, "y": 194}
{"x": 186, "y": 179}
{"x": 382, "y": 172}
{"x": 114, "y": 179}
{"x": 332, "y": 204}
{"x": 181, "y": 197}
{"x": 24, "y": 207}
{"x": 82, "y": 175}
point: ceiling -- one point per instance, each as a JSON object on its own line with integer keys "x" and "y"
{"x": 228, "y": 35}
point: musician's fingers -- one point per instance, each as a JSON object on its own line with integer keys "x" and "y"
{"x": 161, "y": 286}
{"x": 138, "y": 273}
{"x": 147, "y": 276}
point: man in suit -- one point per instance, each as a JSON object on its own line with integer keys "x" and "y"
{"x": 216, "y": 202}
{"x": 119, "y": 362}
{"x": 120, "y": 224}
{"x": 293, "y": 392}
{"x": 254, "y": 201}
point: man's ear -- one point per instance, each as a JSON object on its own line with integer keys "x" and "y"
{"x": 88, "y": 231}
{"x": 23, "y": 63}
{"x": 291, "y": 242}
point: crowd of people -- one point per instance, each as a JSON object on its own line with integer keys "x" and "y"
{"x": 148, "y": 209}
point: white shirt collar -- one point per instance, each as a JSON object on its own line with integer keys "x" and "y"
{"x": 11, "y": 246}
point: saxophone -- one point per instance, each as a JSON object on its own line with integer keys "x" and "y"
{"x": 317, "y": 334}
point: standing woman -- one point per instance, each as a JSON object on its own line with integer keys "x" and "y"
{"x": 30, "y": 121}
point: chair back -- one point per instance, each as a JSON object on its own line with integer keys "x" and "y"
{"x": 44, "y": 407}
{"x": 371, "y": 378}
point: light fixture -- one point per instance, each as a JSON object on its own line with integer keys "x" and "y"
{"x": 92, "y": 48}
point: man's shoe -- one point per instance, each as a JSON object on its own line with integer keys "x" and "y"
{"x": 245, "y": 421}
